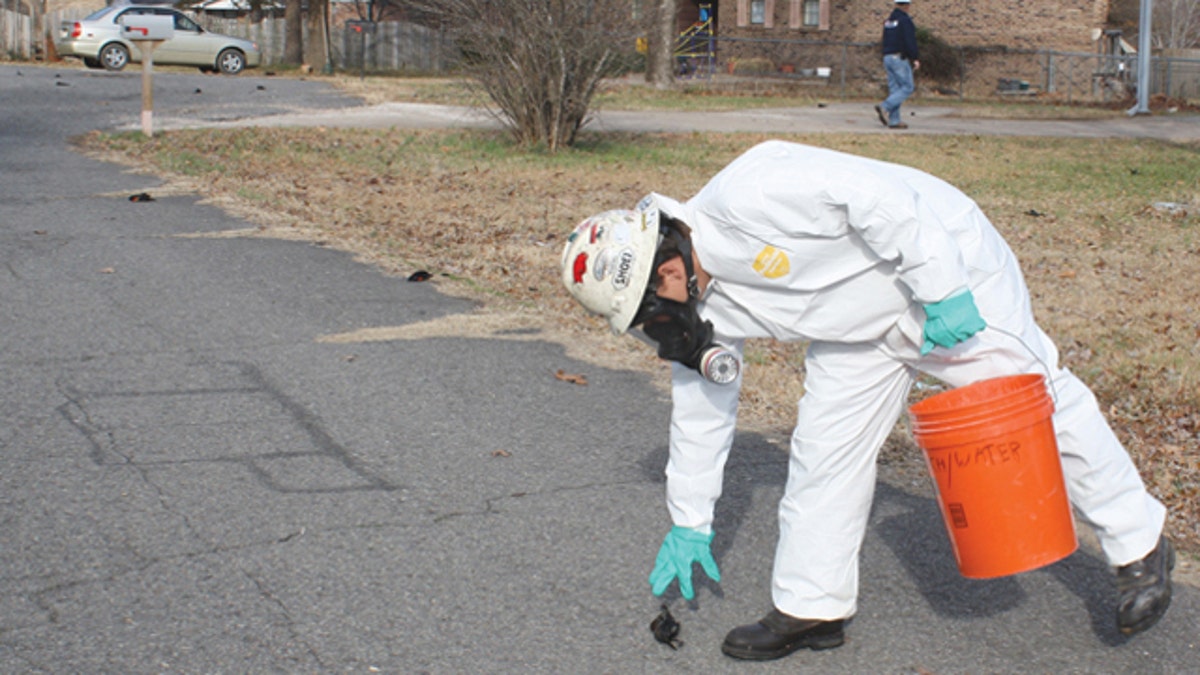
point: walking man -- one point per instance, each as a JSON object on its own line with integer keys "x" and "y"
{"x": 900, "y": 59}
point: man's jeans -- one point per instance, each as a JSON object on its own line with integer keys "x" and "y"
{"x": 900, "y": 86}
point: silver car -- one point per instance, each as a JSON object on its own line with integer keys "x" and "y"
{"x": 97, "y": 40}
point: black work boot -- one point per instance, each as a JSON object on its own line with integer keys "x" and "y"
{"x": 776, "y": 635}
{"x": 1145, "y": 589}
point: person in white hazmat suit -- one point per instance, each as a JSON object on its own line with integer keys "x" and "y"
{"x": 888, "y": 272}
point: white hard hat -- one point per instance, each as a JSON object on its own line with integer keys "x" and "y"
{"x": 608, "y": 259}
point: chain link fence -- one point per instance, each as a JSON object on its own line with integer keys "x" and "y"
{"x": 850, "y": 69}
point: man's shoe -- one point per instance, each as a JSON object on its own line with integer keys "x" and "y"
{"x": 1144, "y": 588}
{"x": 882, "y": 117}
{"x": 776, "y": 635}
{"x": 900, "y": 125}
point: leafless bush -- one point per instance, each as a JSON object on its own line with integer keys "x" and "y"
{"x": 539, "y": 61}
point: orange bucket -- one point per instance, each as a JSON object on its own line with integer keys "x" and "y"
{"x": 991, "y": 450}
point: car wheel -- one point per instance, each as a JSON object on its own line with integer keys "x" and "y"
{"x": 231, "y": 61}
{"x": 92, "y": 63}
{"x": 114, "y": 56}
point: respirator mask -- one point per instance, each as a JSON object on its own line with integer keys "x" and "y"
{"x": 679, "y": 334}
{"x": 674, "y": 328}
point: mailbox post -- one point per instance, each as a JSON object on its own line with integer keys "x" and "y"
{"x": 147, "y": 31}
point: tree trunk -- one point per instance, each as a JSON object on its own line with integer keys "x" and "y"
{"x": 41, "y": 32}
{"x": 314, "y": 49}
{"x": 660, "y": 59}
{"x": 293, "y": 33}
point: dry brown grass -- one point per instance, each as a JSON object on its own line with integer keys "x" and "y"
{"x": 1112, "y": 274}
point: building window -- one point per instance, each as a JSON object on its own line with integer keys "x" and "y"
{"x": 812, "y": 13}
{"x": 808, "y": 14}
{"x": 759, "y": 13}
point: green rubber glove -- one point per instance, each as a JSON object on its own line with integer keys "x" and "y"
{"x": 951, "y": 321}
{"x": 682, "y": 547}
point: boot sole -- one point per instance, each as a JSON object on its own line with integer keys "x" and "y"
{"x": 813, "y": 642}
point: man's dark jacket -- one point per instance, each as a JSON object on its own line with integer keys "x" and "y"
{"x": 900, "y": 35}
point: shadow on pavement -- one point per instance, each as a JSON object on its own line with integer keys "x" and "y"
{"x": 915, "y": 536}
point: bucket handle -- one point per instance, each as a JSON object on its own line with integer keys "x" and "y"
{"x": 1034, "y": 354}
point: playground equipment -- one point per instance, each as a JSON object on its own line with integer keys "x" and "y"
{"x": 696, "y": 48}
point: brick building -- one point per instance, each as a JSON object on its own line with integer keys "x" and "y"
{"x": 840, "y": 37}
{"x": 1063, "y": 25}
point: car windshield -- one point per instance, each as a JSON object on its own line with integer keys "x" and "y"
{"x": 99, "y": 13}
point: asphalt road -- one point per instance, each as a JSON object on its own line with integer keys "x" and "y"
{"x": 191, "y": 480}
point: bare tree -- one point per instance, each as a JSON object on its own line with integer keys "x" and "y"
{"x": 539, "y": 61}
{"x": 293, "y": 32}
{"x": 1176, "y": 24}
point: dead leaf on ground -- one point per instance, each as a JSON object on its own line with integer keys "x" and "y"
{"x": 571, "y": 377}
{"x": 501, "y": 453}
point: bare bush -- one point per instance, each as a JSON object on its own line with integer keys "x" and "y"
{"x": 539, "y": 61}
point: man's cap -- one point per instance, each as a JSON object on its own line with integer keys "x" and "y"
{"x": 902, "y": 2}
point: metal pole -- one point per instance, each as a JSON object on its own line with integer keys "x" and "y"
{"x": 1051, "y": 85}
{"x": 962, "y": 74}
{"x": 845, "y": 65}
{"x": 1143, "y": 88}
{"x": 328, "y": 68}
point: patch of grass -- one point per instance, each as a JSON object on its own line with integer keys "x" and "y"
{"x": 1112, "y": 276}
{"x": 193, "y": 164}
{"x": 252, "y": 195}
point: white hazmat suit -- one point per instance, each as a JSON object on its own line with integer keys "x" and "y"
{"x": 804, "y": 243}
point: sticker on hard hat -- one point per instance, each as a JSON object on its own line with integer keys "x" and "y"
{"x": 600, "y": 267}
{"x": 621, "y": 233}
{"x": 580, "y": 267}
{"x": 625, "y": 260}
